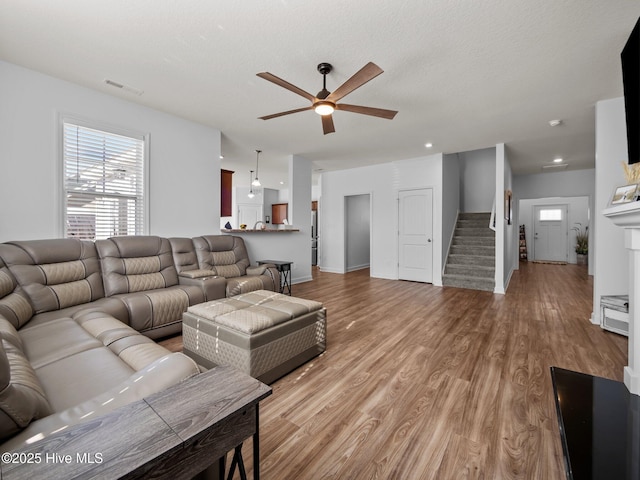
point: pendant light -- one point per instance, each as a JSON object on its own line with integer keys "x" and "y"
{"x": 251, "y": 194}
{"x": 256, "y": 182}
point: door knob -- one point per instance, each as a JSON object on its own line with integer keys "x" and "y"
{"x": 429, "y": 240}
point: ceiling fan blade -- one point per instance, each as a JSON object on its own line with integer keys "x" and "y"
{"x": 366, "y": 73}
{"x": 284, "y": 84}
{"x": 288, "y": 112}
{"x": 327, "y": 124}
{"x": 375, "y": 112}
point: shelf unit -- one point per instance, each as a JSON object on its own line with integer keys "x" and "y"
{"x": 523, "y": 244}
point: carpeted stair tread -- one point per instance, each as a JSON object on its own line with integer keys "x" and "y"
{"x": 482, "y": 260}
{"x": 461, "y": 281}
{"x": 483, "y": 241}
{"x": 483, "y": 251}
{"x": 471, "y": 270}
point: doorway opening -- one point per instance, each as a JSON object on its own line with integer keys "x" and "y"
{"x": 357, "y": 223}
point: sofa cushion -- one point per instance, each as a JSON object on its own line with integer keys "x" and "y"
{"x": 184, "y": 255}
{"x": 224, "y": 254}
{"x": 22, "y": 398}
{"x": 111, "y": 305}
{"x": 55, "y": 273}
{"x": 80, "y": 377}
{"x": 54, "y": 340}
{"x": 14, "y": 304}
{"x": 136, "y": 264}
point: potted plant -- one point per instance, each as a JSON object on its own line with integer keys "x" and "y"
{"x": 582, "y": 243}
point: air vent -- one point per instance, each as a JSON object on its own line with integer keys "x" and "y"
{"x": 555, "y": 167}
{"x": 124, "y": 87}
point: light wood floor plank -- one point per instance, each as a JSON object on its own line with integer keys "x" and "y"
{"x": 423, "y": 382}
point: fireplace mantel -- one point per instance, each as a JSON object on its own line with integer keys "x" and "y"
{"x": 627, "y": 216}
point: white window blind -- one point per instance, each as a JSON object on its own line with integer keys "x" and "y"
{"x": 103, "y": 183}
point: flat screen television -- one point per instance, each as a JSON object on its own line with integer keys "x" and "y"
{"x": 631, "y": 81}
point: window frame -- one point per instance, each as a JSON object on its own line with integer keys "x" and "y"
{"x": 66, "y": 118}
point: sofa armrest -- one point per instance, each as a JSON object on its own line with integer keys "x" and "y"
{"x": 259, "y": 270}
{"x": 267, "y": 269}
{"x": 213, "y": 287}
{"x": 199, "y": 273}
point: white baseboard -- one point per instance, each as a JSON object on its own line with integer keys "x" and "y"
{"x": 358, "y": 267}
{"x": 301, "y": 279}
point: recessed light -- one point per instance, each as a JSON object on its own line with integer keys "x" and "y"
{"x": 557, "y": 160}
{"x": 555, "y": 123}
{"x": 221, "y": 157}
{"x": 428, "y": 144}
{"x": 281, "y": 183}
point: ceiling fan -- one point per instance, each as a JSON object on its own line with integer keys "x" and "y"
{"x": 325, "y": 102}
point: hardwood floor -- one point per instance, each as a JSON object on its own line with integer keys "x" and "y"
{"x": 424, "y": 382}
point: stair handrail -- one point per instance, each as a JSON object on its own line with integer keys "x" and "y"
{"x": 492, "y": 218}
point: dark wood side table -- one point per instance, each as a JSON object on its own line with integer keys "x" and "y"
{"x": 284, "y": 267}
{"x": 173, "y": 434}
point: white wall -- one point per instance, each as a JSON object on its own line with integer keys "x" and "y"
{"x": 511, "y": 231}
{"x": 383, "y": 182}
{"x": 577, "y": 212}
{"x": 357, "y": 226}
{"x": 377, "y": 180}
{"x": 450, "y": 200}
{"x": 506, "y": 235}
{"x": 184, "y": 171}
{"x": 477, "y": 179}
{"x": 611, "y": 272}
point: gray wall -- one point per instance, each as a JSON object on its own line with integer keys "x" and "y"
{"x": 477, "y": 180}
{"x": 450, "y": 200}
{"x": 357, "y": 231}
{"x": 574, "y": 183}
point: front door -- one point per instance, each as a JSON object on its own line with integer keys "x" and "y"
{"x": 415, "y": 255}
{"x": 550, "y": 233}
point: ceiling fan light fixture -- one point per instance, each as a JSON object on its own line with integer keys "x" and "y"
{"x": 324, "y": 108}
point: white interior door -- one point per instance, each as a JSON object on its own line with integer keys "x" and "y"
{"x": 415, "y": 256}
{"x": 550, "y": 233}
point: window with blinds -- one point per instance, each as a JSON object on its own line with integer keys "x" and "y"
{"x": 104, "y": 182}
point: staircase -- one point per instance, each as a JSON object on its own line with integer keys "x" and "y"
{"x": 472, "y": 260}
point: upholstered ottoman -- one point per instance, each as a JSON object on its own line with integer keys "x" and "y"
{"x": 261, "y": 333}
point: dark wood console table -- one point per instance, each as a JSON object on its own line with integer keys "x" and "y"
{"x": 599, "y": 426}
{"x": 174, "y": 434}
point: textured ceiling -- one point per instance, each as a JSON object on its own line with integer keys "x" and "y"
{"x": 463, "y": 75}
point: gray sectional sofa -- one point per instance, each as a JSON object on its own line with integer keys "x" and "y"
{"x": 77, "y": 319}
